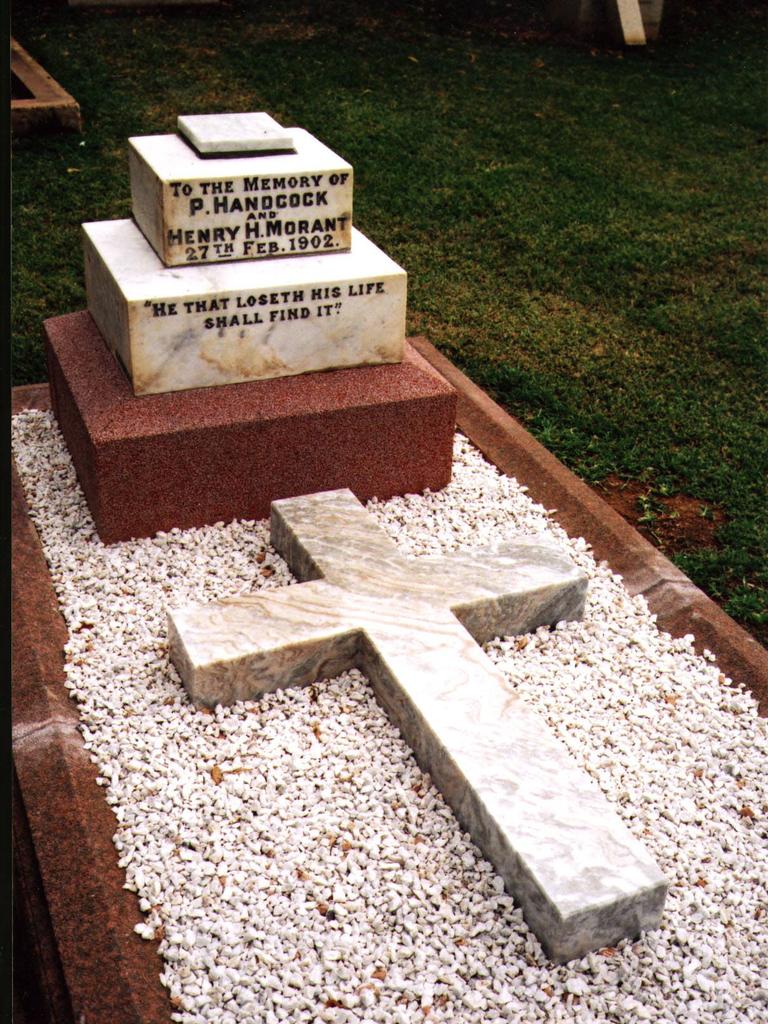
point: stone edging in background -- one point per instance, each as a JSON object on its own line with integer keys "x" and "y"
{"x": 49, "y": 107}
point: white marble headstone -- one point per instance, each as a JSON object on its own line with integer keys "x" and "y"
{"x": 582, "y": 879}
{"x": 220, "y": 209}
{"x": 200, "y": 326}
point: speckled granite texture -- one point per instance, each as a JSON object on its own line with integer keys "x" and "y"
{"x": 214, "y": 454}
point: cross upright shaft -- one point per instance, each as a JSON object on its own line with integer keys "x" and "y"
{"x": 408, "y": 624}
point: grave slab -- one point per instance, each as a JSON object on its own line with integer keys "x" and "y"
{"x": 213, "y": 325}
{"x": 213, "y": 454}
{"x": 180, "y": 199}
{"x": 226, "y": 134}
{"x": 76, "y": 921}
{"x": 582, "y": 879}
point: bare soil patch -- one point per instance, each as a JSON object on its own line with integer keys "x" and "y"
{"x": 674, "y": 523}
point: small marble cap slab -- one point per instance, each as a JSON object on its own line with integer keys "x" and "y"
{"x": 236, "y": 134}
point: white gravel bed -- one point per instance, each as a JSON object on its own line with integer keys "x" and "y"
{"x": 298, "y": 866}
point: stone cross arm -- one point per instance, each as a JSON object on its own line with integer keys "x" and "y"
{"x": 408, "y": 624}
{"x": 511, "y": 590}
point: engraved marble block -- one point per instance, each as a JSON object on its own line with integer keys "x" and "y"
{"x": 411, "y": 626}
{"x": 221, "y": 208}
{"x": 209, "y": 325}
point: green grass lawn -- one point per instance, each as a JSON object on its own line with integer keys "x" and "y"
{"x": 583, "y": 229}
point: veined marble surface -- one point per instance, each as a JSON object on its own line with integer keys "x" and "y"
{"x": 215, "y": 210}
{"x": 411, "y": 625}
{"x": 207, "y": 325}
{"x": 234, "y": 133}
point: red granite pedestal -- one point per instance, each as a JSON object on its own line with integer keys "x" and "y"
{"x": 190, "y": 458}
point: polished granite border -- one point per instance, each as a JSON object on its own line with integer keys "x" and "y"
{"x": 85, "y": 963}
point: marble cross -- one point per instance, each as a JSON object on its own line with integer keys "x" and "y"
{"x": 412, "y": 626}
